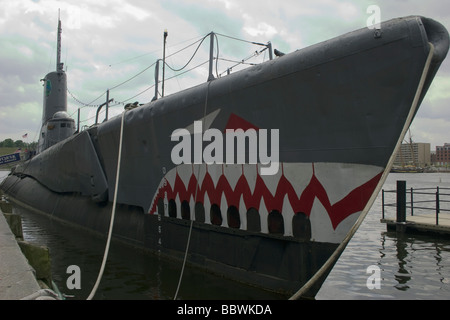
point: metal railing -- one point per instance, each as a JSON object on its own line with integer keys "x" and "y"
{"x": 421, "y": 200}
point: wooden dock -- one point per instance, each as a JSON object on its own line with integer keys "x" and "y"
{"x": 421, "y": 224}
{"x": 433, "y": 218}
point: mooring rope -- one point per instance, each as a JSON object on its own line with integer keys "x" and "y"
{"x": 113, "y": 213}
{"x": 195, "y": 198}
{"x": 303, "y": 291}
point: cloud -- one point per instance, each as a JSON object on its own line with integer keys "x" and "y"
{"x": 258, "y": 28}
{"x": 105, "y": 42}
{"x": 433, "y": 131}
{"x": 439, "y": 90}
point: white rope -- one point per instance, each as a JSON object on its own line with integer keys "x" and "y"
{"x": 113, "y": 213}
{"x": 195, "y": 197}
{"x": 184, "y": 261}
{"x": 335, "y": 256}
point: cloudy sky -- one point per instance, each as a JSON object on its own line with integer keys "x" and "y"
{"x": 106, "y": 42}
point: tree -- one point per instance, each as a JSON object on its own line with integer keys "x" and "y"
{"x": 8, "y": 143}
{"x": 19, "y": 144}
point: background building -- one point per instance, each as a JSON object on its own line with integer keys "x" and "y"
{"x": 443, "y": 154}
{"x": 414, "y": 154}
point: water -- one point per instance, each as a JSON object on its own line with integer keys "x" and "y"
{"x": 129, "y": 273}
{"x": 411, "y": 267}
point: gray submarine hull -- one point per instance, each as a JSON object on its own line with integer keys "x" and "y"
{"x": 341, "y": 107}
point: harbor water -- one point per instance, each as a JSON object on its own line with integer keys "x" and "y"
{"x": 408, "y": 266}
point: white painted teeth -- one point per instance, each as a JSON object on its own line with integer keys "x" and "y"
{"x": 316, "y": 190}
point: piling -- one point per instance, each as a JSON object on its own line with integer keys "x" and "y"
{"x": 39, "y": 258}
{"x": 401, "y": 206}
{"x": 14, "y": 222}
{"x": 5, "y": 207}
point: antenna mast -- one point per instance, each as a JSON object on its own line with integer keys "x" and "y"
{"x": 164, "y": 59}
{"x": 59, "y": 65}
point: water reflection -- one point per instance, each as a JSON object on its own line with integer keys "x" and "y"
{"x": 422, "y": 263}
{"x": 130, "y": 273}
{"x": 412, "y": 266}
{"x": 402, "y": 276}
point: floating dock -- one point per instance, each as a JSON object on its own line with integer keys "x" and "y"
{"x": 436, "y": 223}
{"x": 421, "y": 224}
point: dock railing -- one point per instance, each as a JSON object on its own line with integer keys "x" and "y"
{"x": 419, "y": 201}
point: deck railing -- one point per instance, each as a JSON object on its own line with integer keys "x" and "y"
{"x": 421, "y": 201}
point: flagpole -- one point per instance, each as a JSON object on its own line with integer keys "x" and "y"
{"x": 25, "y": 136}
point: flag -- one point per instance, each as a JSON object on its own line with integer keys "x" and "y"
{"x": 25, "y": 135}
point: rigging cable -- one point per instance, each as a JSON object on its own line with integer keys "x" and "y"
{"x": 200, "y": 41}
{"x": 190, "y": 59}
{"x": 193, "y": 55}
{"x": 243, "y": 61}
{"x": 90, "y": 104}
{"x": 154, "y": 51}
{"x": 234, "y": 38}
{"x": 139, "y": 73}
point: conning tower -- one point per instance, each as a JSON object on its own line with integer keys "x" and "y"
{"x": 56, "y": 123}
